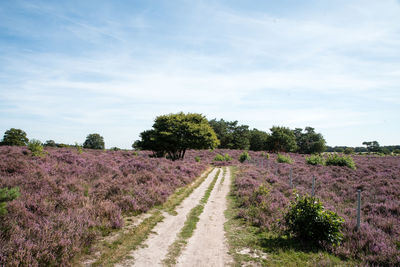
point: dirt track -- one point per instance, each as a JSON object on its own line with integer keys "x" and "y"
{"x": 207, "y": 245}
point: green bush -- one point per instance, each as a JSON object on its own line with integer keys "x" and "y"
{"x": 315, "y": 160}
{"x": 227, "y": 157}
{"x": 5, "y": 196}
{"x": 35, "y": 146}
{"x": 244, "y": 156}
{"x": 396, "y": 151}
{"x": 284, "y": 159}
{"x": 348, "y": 150}
{"x": 197, "y": 159}
{"x": 308, "y": 220}
{"x": 79, "y": 148}
{"x": 337, "y": 160}
{"x": 219, "y": 157}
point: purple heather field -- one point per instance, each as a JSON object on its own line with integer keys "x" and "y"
{"x": 68, "y": 199}
{"x": 378, "y": 241}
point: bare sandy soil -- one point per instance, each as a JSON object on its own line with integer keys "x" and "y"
{"x": 155, "y": 248}
{"x": 207, "y": 246}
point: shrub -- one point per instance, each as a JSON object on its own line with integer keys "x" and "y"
{"x": 337, "y": 160}
{"x": 284, "y": 159}
{"x": 244, "y": 156}
{"x": 5, "y": 196}
{"x": 35, "y": 146}
{"x": 308, "y": 220}
{"x": 227, "y": 157}
{"x": 315, "y": 160}
{"x": 219, "y": 157}
{"x": 79, "y": 148}
{"x": 197, "y": 159}
{"x": 348, "y": 150}
{"x": 396, "y": 151}
{"x": 114, "y": 148}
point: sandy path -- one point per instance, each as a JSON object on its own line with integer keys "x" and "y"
{"x": 207, "y": 246}
{"x": 156, "y": 246}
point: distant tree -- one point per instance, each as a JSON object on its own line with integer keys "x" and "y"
{"x": 348, "y": 150}
{"x": 94, "y": 141}
{"x": 339, "y": 149}
{"x": 258, "y": 140}
{"x": 50, "y": 143}
{"x": 372, "y": 146}
{"x": 14, "y": 137}
{"x": 230, "y": 134}
{"x": 360, "y": 149}
{"x": 281, "y": 139}
{"x": 309, "y": 142}
{"x": 173, "y": 134}
{"x": 329, "y": 149}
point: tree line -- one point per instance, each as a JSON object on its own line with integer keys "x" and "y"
{"x": 173, "y": 134}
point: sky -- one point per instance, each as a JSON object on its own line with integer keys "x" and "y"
{"x": 71, "y": 68}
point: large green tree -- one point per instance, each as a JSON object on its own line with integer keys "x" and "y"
{"x": 258, "y": 140}
{"x": 231, "y": 135}
{"x": 309, "y": 142}
{"x": 173, "y": 134}
{"x": 14, "y": 137}
{"x": 281, "y": 139}
{"x": 94, "y": 141}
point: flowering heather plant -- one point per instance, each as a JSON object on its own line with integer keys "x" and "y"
{"x": 377, "y": 241}
{"x": 67, "y": 199}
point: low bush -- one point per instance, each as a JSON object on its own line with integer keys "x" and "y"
{"x": 315, "y": 160}
{"x": 219, "y": 157}
{"x": 197, "y": 159}
{"x": 35, "y": 146}
{"x": 284, "y": 159}
{"x": 337, "y": 160}
{"x": 308, "y": 220}
{"x": 7, "y": 195}
{"x": 227, "y": 157}
{"x": 244, "y": 156}
{"x": 348, "y": 150}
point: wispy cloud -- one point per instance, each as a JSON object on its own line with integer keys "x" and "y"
{"x": 115, "y": 71}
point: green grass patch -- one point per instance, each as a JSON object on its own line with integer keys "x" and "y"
{"x": 188, "y": 228}
{"x": 249, "y": 246}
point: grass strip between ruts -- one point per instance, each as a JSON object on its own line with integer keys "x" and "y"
{"x": 126, "y": 242}
{"x": 187, "y": 231}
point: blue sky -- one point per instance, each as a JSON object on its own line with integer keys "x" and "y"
{"x": 70, "y": 68}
